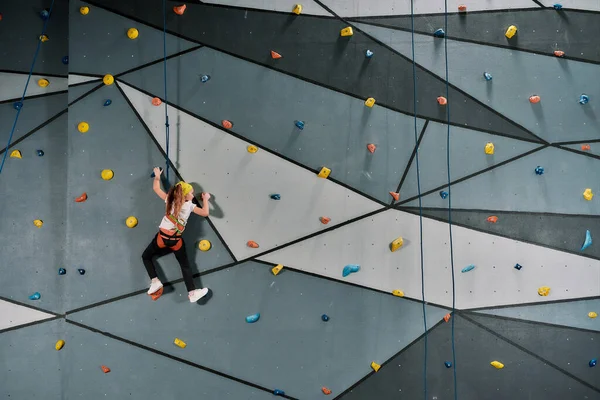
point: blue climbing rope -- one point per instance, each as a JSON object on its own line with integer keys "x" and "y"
{"x": 165, "y": 79}
{"x": 450, "y": 196}
{"x": 412, "y": 20}
{"x": 37, "y": 50}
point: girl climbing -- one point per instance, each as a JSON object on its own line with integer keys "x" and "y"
{"x": 179, "y": 207}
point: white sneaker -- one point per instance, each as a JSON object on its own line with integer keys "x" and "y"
{"x": 198, "y": 294}
{"x": 154, "y": 287}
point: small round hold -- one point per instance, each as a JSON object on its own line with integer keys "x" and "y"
{"x": 108, "y": 79}
{"x": 17, "y": 105}
{"x": 131, "y": 222}
{"x": 369, "y": 54}
{"x": 65, "y": 60}
{"x": 62, "y": 271}
{"x": 40, "y": 153}
{"x": 226, "y": 124}
{"x": 442, "y": 101}
{"x": 81, "y": 271}
{"x": 584, "y": 99}
{"x": 443, "y": 194}
{"x": 439, "y": 33}
{"x": 107, "y": 174}
{"x": 205, "y": 78}
{"x": 448, "y": 364}
{"x": 557, "y": 6}
{"x": 84, "y": 10}
{"x": 593, "y": 362}
{"x": 539, "y": 170}
{"x": 107, "y": 103}
{"x": 324, "y": 317}
{"x": 43, "y": 82}
{"x": 83, "y": 127}
{"x": 487, "y": 76}
{"x": 133, "y": 33}
{"x": 534, "y": 99}
{"x": 38, "y": 223}
{"x": 45, "y": 14}
{"x": 204, "y": 245}
{"x": 156, "y": 101}
{"x": 252, "y": 149}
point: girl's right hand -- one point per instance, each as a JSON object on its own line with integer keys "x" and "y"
{"x": 205, "y": 196}
{"x": 157, "y": 172}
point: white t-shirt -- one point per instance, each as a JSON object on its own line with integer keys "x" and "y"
{"x": 186, "y": 210}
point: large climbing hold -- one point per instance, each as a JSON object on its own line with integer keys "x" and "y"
{"x": 544, "y": 291}
{"x": 439, "y": 33}
{"x": 350, "y": 269}
{"x": 497, "y": 364}
{"x": 588, "y": 240}
{"x": 375, "y": 366}
{"x": 275, "y": 196}
{"x": 179, "y": 10}
{"x": 275, "y": 55}
{"x": 132, "y": 33}
{"x": 584, "y": 99}
{"x": 252, "y": 318}
{"x": 370, "y": 102}
{"x": 324, "y": 173}
{"x": 277, "y": 269}
{"x": 16, "y": 154}
{"x": 156, "y": 101}
{"x": 396, "y": 244}
{"x": 297, "y": 9}
{"x": 43, "y": 82}
{"x": 347, "y": 31}
{"x": 108, "y": 79}
{"x": 489, "y": 148}
{"x": 59, "y": 345}
{"x": 511, "y": 31}
{"x": 588, "y": 194}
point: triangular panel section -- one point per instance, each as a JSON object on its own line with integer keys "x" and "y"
{"x": 285, "y": 6}
{"x": 13, "y": 315}
{"x": 13, "y": 86}
{"x": 79, "y": 79}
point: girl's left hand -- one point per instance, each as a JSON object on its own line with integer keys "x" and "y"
{"x": 157, "y": 172}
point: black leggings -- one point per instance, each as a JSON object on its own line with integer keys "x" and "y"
{"x": 154, "y": 251}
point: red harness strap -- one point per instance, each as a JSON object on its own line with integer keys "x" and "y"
{"x": 171, "y": 235}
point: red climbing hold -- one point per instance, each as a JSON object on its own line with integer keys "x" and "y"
{"x": 81, "y": 198}
{"x": 252, "y": 244}
{"x": 326, "y": 390}
{"x": 275, "y": 55}
{"x": 559, "y": 53}
{"x": 324, "y": 220}
{"x": 395, "y": 195}
{"x": 156, "y": 101}
{"x": 371, "y": 147}
{"x": 447, "y": 317}
{"x": 156, "y": 295}
{"x": 492, "y": 218}
{"x": 586, "y": 147}
{"x": 179, "y": 10}
{"x": 462, "y": 8}
{"x": 226, "y": 124}
{"x": 442, "y": 101}
{"x": 535, "y": 99}
{"x": 105, "y": 369}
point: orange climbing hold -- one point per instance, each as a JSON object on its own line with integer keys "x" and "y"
{"x": 442, "y": 101}
{"x": 156, "y": 101}
{"x": 395, "y": 195}
{"x": 325, "y": 390}
{"x": 252, "y": 243}
{"x": 447, "y": 317}
{"x": 492, "y": 218}
{"x": 535, "y": 99}
{"x": 275, "y": 55}
{"x": 226, "y": 124}
{"x": 156, "y": 295}
{"x": 325, "y": 220}
{"x": 81, "y": 198}
{"x": 462, "y": 8}
{"x": 559, "y": 53}
{"x": 105, "y": 369}
{"x": 179, "y": 10}
{"x": 586, "y": 147}
{"x": 371, "y": 147}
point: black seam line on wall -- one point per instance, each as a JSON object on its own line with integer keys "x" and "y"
{"x": 576, "y": 142}
{"x": 538, "y": 3}
{"x": 83, "y": 83}
{"x": 250, "y": 9}
{"x": 37, "y": 96}
{"x": 9, "y": 71}
{"x": 500, "y": 212}
{"x": 334, "y": 280}
{"x": 92, "y": 90}
{"x": 174, "y": 358}
{"x": 410, "y": 160}
{"x": 88, "y": 75}
{"x": 31, "y": 132}
{"x": 427, "y": 71}
{"x": 464, "y": 178}
{"x": 415, "y": 211}
{"x": 18, "y": 303}
{"x": 320, "y": 84}
{"x": 523, "y": 349}
{"x": 517, "y": 305}
{"x": 580, "y": 152}
{"x": 450, "y": 13}
{"x": 528, "y": 321}
{"x": 478, "y": 42}
{"x": 389, "y": 360}
{"x": 158, "y": 61}
{"x": 155, "y": 141}
{"x": 259, "y": 145}
{"x": 38, "y": 322}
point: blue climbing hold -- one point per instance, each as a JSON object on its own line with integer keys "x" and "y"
{"x": 584, "y": 99}
{"x": 17, "y": 105}
{"x": 468, "y": 268}
{"x": 252, "y": 318}
{"x": 152, "y": 174}
{"x": 350, "y": 269}
{"x": 278, "y": 392}
{"x": 62, "y": 271}
{"x": 325, "y": 317}
{"x": 40, "y": 153}
{"x": 439, "y": 33}
{"x": 276, "y": 196}
{"x": 107, "y": 103}
{"x": 205, "y": 78}
{"x": 35, "y": 296}
{"x": 487, "y": 76}
{"x": 45, "y": 14}
{"x": 65, "y": 60}
{"x": 81, "y": 271}
{"x": 299, "y": 124}
{"x": 369, "y": 54}
{"x": 539, "y": 170}
{"x": 588, "y": 241}
{"x": 448, "y": 364}
{"x": 443, "y": 194}
{"x": 593, "y": 362}
{"x": 518, "y": 267}
{"x": 557, "y": 6}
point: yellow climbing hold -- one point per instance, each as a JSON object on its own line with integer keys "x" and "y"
{"x": 592, "y": 314}
{"x": 489, "y": 148}
{"x": 347, "y": 31}
{"x": 587, "y": 194}
{"x": 180, "y": 343}
{"x": 396, "y": 244}
{"x": 375, "y": 366}
{"x": 370, "y": 102}
{"x": 59, "y": 345}
{"x": 132, "y": 33}
{"x": 16, "y": 154}
{"x": 108, "y": 79}
{"x": 84, "y": 10}
{"x": 107, "y": 174}
{"x": 398, "y": 293}
{"x": 83, "y": 127}
{"x": 38, "y": 223}
{"x": 252, "y": 149}
{"x": 544, "y": 291}
{"x": 44, "y": 38}
{"x": 43, "y": 82}
{"x": 131, "y": 222}
{"x": 276, "y": 269}
{"x": 497, "y": 364}
{"x": 204, "y": 245}
{"x": 511, "y": 31}
{"x": 324, "y": 172}
{"x": 297, "y": 9}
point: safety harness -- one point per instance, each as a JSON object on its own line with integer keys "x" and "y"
{"x": 171, "y": 235}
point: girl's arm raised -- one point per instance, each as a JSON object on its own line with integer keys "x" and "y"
{"x": 203, "y": 212}
{"x": 156, "y": 184}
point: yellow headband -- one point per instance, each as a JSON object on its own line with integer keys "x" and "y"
{"x": 186, "y": 188}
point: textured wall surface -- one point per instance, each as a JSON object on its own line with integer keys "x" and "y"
{"x": 432, "y": 315}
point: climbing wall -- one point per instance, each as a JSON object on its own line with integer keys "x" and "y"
{"x": 405, "y": 211}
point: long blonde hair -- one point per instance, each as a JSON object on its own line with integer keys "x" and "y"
{"x": 175, "y": 200}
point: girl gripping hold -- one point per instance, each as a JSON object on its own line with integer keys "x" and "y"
{"x": 168, "y": 239}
